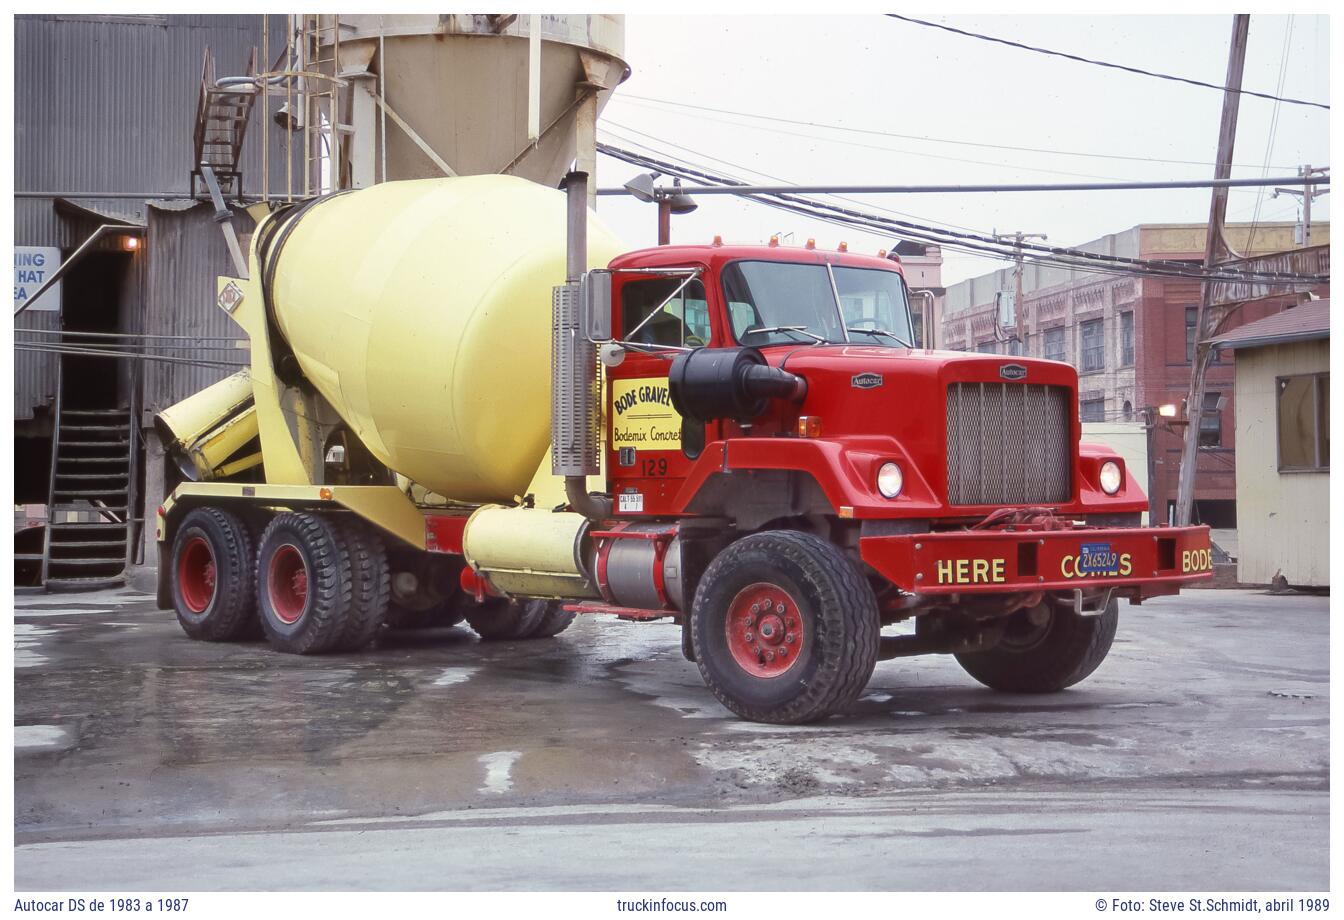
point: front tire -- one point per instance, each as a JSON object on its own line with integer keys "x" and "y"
{"x": 1048, "y": 657}
{"x": 304, "y": 584}
{"x": 213, "y": 575}
{"x": 784, "y": 628}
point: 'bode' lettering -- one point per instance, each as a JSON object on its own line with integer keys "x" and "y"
{"x": 970, "y": 571}
{"x": 1196, "y": 560}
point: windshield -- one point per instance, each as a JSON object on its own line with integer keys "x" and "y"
{"x": 875, "y": 305}
{"x": 776, "y": 303}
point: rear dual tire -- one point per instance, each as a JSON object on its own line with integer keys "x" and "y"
{"x": 499, "y": 619}
{"x": 214, "y": 576}
{"x": 323, "y": 583}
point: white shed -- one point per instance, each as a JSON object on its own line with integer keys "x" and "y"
{"x": 1283, "y": 445}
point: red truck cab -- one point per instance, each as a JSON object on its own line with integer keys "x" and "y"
{"x": 958, "y": 484}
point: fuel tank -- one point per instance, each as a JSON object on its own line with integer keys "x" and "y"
{"x": 421, "y": 310}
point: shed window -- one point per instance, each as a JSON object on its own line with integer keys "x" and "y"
{"x": 1304, "y": 422}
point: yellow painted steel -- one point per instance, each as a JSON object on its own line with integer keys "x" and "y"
{"x": 421, "y": 311}
{"x": 204, "y": 431}
{"x": 384, "y": 506}
{"x": 529, "y": 552}
{"x": 200, "y": 412}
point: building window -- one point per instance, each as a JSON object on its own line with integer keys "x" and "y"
{"x": 1127, "y": 339}
{"x": 1304, "y": 422}
{"x": 1092, "y": 410}
{"x": 1191, "y": 318}
{"x": 1054, "y": 345}
{"x": 1211, "y": 421}
{"x": 989, "y": 348}
{"x": 1094, "y": 346}
{"x": 1128, "y": 411}
{"x": 1012, "y": 347}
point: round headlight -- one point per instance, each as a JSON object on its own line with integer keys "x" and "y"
{"x": 1111, "y": 477}
{"x": 890, "y": 479}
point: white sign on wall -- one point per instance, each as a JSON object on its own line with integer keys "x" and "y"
{"x": 33, "y": 265}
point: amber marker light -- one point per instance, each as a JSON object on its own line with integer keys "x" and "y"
{"x": 809, "y": 426}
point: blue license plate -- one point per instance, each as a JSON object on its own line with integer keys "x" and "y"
{"x": 1098, "y": 559}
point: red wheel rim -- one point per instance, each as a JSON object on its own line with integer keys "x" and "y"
{"x": 287, "y": 583}
{"x": 765, "y": 631}
{"x": 196, "y": 575}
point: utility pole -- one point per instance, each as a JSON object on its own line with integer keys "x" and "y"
{"x": 1216, "y": 250}
{"x": 1020, "y": 313}
{"x": 1302, "y": 235}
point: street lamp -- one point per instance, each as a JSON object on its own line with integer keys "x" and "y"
{"x": 670, "y": 201}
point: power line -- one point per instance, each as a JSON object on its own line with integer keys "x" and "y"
{"x": 606, "y": 125}
{"x": 1055, "y": 255}
{"x": 914, "y": 153}
{"x": 1273, "y": 129}
{"x": 979, "y": 188}
{"x": 907, "y": 230}
{"x": 1083, "y": 60}
{"x": 635, "y": 99}
{"x": 938, "y": 236}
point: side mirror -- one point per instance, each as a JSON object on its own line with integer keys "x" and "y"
{"x": 595, "y": 305}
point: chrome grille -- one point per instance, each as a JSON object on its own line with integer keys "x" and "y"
{"x": 1008, "y": 444}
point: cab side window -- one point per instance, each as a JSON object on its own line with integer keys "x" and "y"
{"x": 682, "y": 321}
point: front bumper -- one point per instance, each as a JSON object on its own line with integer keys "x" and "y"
{"x": 1153, "y": 560}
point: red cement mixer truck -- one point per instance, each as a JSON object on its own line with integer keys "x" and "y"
{"x": 464, "y": 401}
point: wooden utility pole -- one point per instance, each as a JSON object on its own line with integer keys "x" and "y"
{"x": 1302, "y": 235}
{"x": 1216, "y": 250}
{"x": 1019, "y": 310}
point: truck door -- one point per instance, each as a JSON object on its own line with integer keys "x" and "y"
{"x": 646, "y": 462}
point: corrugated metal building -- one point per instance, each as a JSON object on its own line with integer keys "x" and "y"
{"x": 105, "y": 113}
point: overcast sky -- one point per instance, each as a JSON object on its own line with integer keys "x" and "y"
{"x": 887, "y": 77}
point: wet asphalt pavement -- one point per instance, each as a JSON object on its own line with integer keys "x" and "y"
{"x": 1195, "y": 758}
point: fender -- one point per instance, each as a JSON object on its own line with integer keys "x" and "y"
{"x": 844, "y": 468}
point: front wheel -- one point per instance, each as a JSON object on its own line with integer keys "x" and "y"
{"x": 784, "y": 628}
{"x": 1056, "y": 651}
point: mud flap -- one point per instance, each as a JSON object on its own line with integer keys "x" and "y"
{"x": 687, "y": 650}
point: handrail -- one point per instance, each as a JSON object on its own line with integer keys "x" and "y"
{"x": 75, "y": 256}
{"x": 51, "y": 479}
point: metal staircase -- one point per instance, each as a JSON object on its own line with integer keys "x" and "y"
{"x": 222, "y": 114}
{"x": 91, "y": 508}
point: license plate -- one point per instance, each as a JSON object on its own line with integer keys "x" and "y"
{"x": 1098, "y": 559}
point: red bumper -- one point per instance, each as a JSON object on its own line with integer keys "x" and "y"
{"x": 1156, "y": 560}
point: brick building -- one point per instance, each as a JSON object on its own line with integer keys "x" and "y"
{"x": 1131, "y": 339}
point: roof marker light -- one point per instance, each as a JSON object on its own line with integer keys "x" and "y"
{"x": 811, "y": 243}
{"x": 881, "y": 253}
{"x": 718, "y": 240}
{"x": 774, "y": 239}
{"x": 844, "y": 247}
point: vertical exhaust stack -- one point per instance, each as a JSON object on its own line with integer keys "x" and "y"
{"x": 576, "y": 427}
